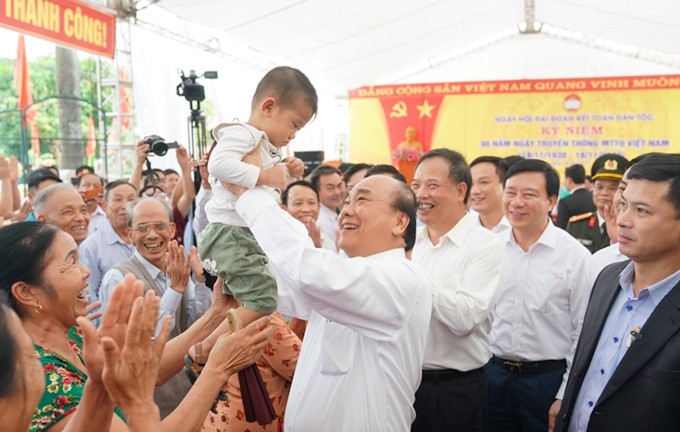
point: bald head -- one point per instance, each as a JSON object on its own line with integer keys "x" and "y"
{"x": 62, "y": 206}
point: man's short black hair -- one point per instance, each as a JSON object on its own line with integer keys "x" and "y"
{"x": 84, "y": 169}
{"x": 405, "y": 201}
{"x": 169, "y": 171}
{"x": 577, "y": 173}
{"x": 498, "y": 162}
{"x": 385, "y": 169}
{"x": 660, "y": 168}
{"x": 459, "y": 171}
{"x": 513, "y": 159}
{"x": 322, "y": 170}
{"x": 303, "y": 183}
{"x": 287, "y": 85}
{"x": 114, "y": 184}
{"x": 355, "y": 168}
{"x": 552, "y": 179}
{"x": 40, "y": 175}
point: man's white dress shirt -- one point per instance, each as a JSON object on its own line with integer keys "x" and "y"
{"x": 361, "y": 360}
{"x": 543, "y": 298}
{"x": 502, "y": 225}
{"x": 465, "y": 269}
{"x": 328, "y": 223}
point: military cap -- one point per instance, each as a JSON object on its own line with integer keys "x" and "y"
{"x": 609, "y": 166}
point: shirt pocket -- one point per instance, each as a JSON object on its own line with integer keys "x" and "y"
{"x": 337, "y": 349}
{"x": 548, "y": 293}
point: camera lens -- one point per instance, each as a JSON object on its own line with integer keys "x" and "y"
{"x": 160, "y": 148}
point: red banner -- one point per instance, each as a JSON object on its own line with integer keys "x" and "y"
{"x": 66, "y": 22}
{"x": 655, "y": 82}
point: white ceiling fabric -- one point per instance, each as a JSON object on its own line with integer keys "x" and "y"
{"x": 362, "y": 42}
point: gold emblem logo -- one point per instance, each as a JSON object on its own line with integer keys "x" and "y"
{"x": 611, "y": 165}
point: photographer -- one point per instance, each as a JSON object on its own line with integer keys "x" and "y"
{"x": 183, "y": 194}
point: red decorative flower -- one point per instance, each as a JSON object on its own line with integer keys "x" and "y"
{"x": 407, "y": 154}
{"x": 62, "y": 401}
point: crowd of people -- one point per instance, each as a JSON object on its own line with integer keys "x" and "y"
{"x": 482, "y": 296}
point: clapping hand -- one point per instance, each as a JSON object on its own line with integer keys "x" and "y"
{"x": 177, "y": 267}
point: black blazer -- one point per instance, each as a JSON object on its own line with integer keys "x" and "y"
{"x": 579, "y": 202}
{"x": 643, "y": 394}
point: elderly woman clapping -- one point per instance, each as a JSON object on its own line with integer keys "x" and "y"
{"x": 45, "y": 284}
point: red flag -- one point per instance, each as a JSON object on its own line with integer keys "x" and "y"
{"x": 22, "y": 81}
{"x": 91, "y": 144}
{"x": 35, "y": 140}
{"x": 124, "y": 100}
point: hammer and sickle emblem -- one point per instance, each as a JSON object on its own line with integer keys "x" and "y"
{"x": 399, "y": 109}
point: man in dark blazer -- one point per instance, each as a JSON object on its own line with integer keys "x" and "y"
{"x": 626, "y": 371}
{"x": 579, "y": 200}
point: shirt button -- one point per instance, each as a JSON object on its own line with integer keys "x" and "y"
{"x": 602, "y": 371}
{"x": 590, "y": 403}
{"x": 616, "y": 340}
{"x": 629, "y": 308}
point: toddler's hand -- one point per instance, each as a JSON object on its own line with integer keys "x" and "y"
{"x": 296, "y": 168}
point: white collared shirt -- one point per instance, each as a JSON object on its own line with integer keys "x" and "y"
{"x": 361, "y": 361}
{"x": 605, "y": 256}
{"x": 226, "y": 165}
{"x": 328, "y": 223}
{"x": 97, "y": 221}
{"x": 543, "y": 298}
{"x": 465, "y": 269}
{"x": 499, "y": 228}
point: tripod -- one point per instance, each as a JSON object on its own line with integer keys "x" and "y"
{"x": 197, "y": 138}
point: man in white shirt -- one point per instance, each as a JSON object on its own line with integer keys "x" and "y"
{"x": 332, "y": 191}
{"x": 486, "y": 192}
{"x": 464, "y": 262}
{"x": 545, "y": 285}
{"x": 360, "y": 364}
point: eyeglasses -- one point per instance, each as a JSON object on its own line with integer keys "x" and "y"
{"x": 159, "y": 227}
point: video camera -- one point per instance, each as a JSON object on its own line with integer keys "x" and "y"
{"x": 190, "y": 89}
{"x": 158, "y": 145}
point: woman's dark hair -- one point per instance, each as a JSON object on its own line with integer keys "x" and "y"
{"x": 24, "y": 255}
{"x": 8, "y": 354}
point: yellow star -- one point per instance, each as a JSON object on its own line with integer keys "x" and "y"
{"x": 425, "y": 110}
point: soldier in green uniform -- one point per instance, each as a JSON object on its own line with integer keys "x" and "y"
{"x": 589, "y": 228}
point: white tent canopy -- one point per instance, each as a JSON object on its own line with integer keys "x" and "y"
{"x": 361, "y": 42}
{"x": 345, "y": 44}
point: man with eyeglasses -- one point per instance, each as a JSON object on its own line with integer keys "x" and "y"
{"x": 161, "y": 264}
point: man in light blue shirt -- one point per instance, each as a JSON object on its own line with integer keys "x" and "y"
{"x": 111, "y": 244}
{"x": 626, "y": 371}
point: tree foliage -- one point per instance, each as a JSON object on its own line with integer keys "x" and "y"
{"x": 44, "y": 86}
